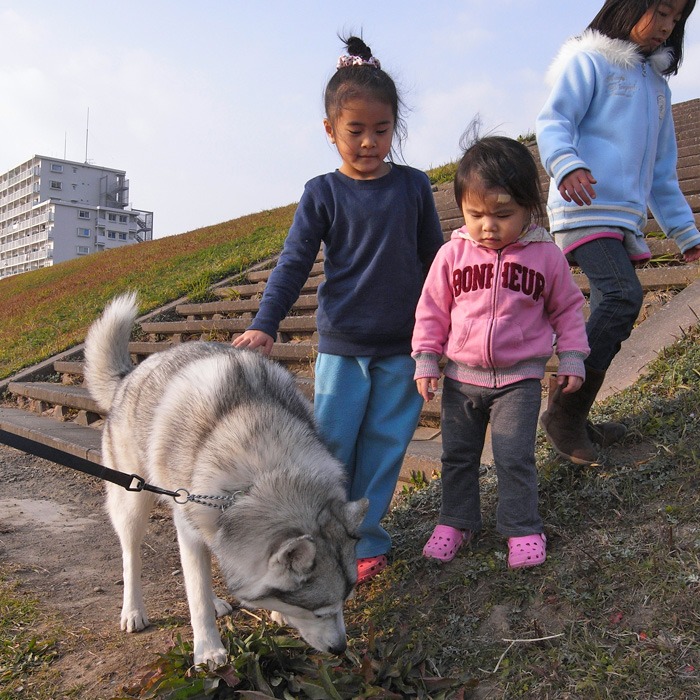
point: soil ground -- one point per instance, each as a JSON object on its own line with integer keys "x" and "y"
{"x": 56, "y": 539}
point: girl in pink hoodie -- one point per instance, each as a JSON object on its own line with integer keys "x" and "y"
{"x": 495, "y": 295}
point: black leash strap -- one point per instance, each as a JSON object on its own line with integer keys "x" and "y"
{"x": 131, "y": 482}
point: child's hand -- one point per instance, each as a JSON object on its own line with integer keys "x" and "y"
{"x": 569, "y": 383}
{"x": 577, "y": 187}
{"x": 692, "y": 254}
{"x": 427, "y": 386}
{"x": 252, "y": 340}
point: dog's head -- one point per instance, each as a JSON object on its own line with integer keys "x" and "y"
{"x": 306, "y": 577}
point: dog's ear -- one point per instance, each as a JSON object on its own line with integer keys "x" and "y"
{"x": 296, "y": 555}
{"x": 354, "y": 513}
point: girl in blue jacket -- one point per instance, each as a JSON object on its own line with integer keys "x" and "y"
{"x": 607, "y": 140}
{"x": 379, "y": 229}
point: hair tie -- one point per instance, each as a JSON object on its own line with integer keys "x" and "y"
{"x": 346, "y": 61}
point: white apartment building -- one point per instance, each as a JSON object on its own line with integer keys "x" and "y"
{"x": 53, "y": 210}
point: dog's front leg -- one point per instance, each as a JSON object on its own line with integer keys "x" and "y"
{"x": 129, "y": 515}
{"x": 196, "y": 569}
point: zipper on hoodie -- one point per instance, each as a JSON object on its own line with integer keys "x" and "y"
{"x": 494, "y": 306}
{"x": 650, "y": 116}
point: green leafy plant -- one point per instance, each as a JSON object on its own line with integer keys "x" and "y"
{"x": 269, "y": 664}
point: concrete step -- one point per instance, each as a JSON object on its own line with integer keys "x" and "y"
{"x": 209, "y": 309}
{"x": 283, "y": 352}
{"x": 263, "y": 275}
{"x": 59, "y": 442}
{"x": 68, "y": 395}
{"x": 69, "y": 438}
{"x": 246, "y": 291}
{"x": 291, "y": 324}
{"x": 655, "y": 278}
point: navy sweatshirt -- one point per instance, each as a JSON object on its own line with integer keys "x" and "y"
{"x": 379, "y": 238}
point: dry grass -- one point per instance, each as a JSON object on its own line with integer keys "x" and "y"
{"x": 613, "y": 613}
{"x": 49, "y": 310}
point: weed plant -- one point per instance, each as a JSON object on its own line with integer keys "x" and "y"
{"x": 25, "y": 656}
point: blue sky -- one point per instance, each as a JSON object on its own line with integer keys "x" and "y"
{"x": 214, "y": 108}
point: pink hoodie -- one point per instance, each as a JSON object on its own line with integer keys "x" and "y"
{"x": 492, "y": 313}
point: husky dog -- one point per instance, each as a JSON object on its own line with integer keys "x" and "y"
{"x": 228, "y": 424}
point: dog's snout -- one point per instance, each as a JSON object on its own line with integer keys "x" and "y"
{"x": 338, "y": 649}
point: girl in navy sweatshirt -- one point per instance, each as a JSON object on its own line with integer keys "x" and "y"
{"x": 379, "y": 229}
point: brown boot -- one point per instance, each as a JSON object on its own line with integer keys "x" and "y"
{"x": 564, "y": 422}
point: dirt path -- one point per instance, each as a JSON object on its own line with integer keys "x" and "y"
{"x": 56, "y": 539}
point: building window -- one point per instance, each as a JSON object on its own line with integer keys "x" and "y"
{"x": 122, "y": 219}
{"x": 56, "y": 168}
{"x": 112, "y": 217}
{"x": 112, "y": 235}
{"x": 85, "y": 232}
{"x": 122, "y": 235}
{"x": 82, "y": 250}
{"x": 83, "y": 214}
{"x": 56, "y": 185}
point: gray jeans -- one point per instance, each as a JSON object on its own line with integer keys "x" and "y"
{"x": 513, "y": 411}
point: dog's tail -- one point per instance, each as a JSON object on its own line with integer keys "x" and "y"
{"x": 107, "y": 359}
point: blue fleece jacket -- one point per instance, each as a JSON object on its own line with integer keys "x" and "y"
{"x": 379, "y": 238}
{"x": 610, "y": 112}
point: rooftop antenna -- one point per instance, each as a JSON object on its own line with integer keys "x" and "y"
{"x": 87, "y": 134}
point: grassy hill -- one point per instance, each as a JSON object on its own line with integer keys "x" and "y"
{"x": 49, "y": 310}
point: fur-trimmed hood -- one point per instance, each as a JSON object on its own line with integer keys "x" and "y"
{"x": 622, "y": 53}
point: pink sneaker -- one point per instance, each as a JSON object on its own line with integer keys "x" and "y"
{"x": 529, "y": 550}
{"x": 445, "y": 542}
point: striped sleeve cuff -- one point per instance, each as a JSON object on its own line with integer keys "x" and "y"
{"x": 571, "y": 363}
{"x": 426, "y": 365}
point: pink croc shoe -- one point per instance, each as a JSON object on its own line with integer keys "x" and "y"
{"x": 529, "y": 550}
{"x": 368, "y": 567}
{"x": 445, "y": 542}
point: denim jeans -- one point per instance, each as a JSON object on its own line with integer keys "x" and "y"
{"x": 616, "y": 297}
{"x": 512, "y": 412}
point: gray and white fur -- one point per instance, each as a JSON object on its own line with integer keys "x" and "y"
{"x": 217, "y": 421}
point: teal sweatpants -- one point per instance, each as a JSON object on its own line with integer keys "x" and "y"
{"x": 367, "y": 410}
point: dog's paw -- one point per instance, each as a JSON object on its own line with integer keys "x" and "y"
{"x": 212, "y": 658}
{"x": 277, "y": 618}
{"x": 222, "y": 607}
{"x": 134, "y": 620}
